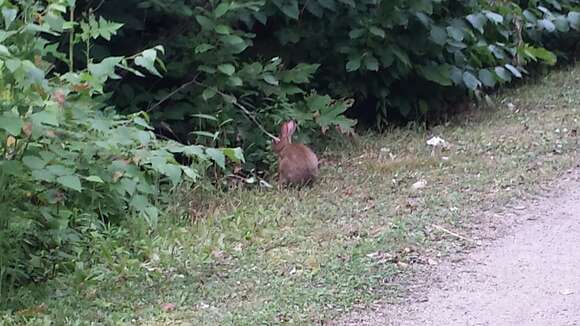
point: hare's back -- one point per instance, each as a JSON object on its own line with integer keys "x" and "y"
{"x": 303, "y": 154}
{"x": 298, "y": 163}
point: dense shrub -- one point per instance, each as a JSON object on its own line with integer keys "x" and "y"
{"x": 400, "y": 58}
{"x": 69, "y": 163}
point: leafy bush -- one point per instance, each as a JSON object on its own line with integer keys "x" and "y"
{"x": 396, "y": 58}
{"x": 70, "y": 162}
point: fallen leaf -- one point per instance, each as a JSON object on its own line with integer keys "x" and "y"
{"x": 436, "y": 142}
{"x": 167, "y": 307}
{"x": 34, "y": 311}
{"x": 419, "y": 185}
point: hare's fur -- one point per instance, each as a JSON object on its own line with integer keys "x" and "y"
{"x": 297, "y": 163}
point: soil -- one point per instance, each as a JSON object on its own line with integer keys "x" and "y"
{"x": 528, "y": 274}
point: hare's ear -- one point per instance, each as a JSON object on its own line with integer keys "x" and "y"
{"x": 291, "y": 127}
{"x": 283, "y": 130}
{"x": 287, "y": 129}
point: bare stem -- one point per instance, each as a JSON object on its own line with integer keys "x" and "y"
{"x": 71, "y": 40}
{"x": 234, "y": 102}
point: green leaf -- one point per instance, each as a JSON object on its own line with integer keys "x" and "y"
{"x": 494, "y": 17}
{"x": 70, "y": 181}
{"x": 235, "y": 81}
{"x": 46, "y": 117}
{"x": 497, "y": 52}
{"x": 139, "y": 203}
{"x": 371, "y": 63}
{"x": 439, "y": 74}
{"x": 487, "y": 78}
{"x": 202, "y": 48}
{"x": 95, "y": 179}
{"x": 300, "y": 74}
{"x": 56, "y": 22}
{"x": 12, "y": 168}
{"x": 12, "y": 124}
{"x": 9, "y": 15}
{"x": 33, "y": 162}
{"x": 105, "y": 69}
{"x": 350, "y": 3}
{"x": 147, "y": 60}
{"x": 106, "y": 28}
{"x": 477, "y": 21}
{"x": 190, "y": 173}
{"x": 204, "y": 116}
{"x": 455, "y": 33}
{"x": 547, "y": 25}
{"x": 143, "y": 137}
{"x": 402, "y": 56}
{"x": 425, "y": 6}
{"x": 356, "y": 33}
{"x": 59, "y": 170}
{"x": 13, "y": 64}
{"x": 456, "y": 75}
{"x": 530, "y": 16}
{"x": 194, "y": 151}
{"x": 34, "y": 74}
{"x": 328, "y": 4}
{"x": 204, "y": 22}
{"x": 291, "y": 9}
{"x": 542, "y": 54}
{"x": 208, "y": 93}
{"x": 438, "y": 35}
{"x": 470, "y": 80}
{"x": 424, "y": 19}
{"x": 212, "y": 136}
{"x": 173, "y": 172}
{"x": 270, "y": 79}
{"x": 43, "y": 175}
{"x": 314, "y": 8}
{"x": 234, "y": 154}
{"x": 353, "y": 63}
{"x": 217, "y": 156}
{"x": 221, "y": 9}
{"x": 151, "y": 214}
{"x": 574, "y": 20}
{"x": 503, "y": 74}
{"x": 330, "y": 114}
{"x": 513, "y": 70}
{"x": 227, "y": 69}
{"x": 222, "y": 29}
{"x": 232, "y": 40}
{"x": 562, "y": 24}
{"x": 4, "y": 52}
{"x": 377, "y": 31}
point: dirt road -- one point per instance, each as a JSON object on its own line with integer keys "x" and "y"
{"x": 528, "y": 277}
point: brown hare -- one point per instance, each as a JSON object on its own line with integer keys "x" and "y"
{"x": 297, "y": 163}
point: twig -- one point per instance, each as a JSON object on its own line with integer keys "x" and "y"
{"x": 242, "y": 108}
{"x": 452, "y": 233}
{"x": 234, "y": 102}
{"x": 177, "y": 90}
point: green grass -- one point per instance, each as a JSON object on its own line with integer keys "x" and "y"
{"x": 310, "y": 255}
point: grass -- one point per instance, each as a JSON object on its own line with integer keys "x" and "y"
{"x": 307, "y": 256}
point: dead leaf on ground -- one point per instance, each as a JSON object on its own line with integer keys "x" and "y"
{"x": 168, "y": 307}
{"x": 419, "y": 185}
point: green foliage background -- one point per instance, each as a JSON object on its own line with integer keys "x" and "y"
{"x": 71, "y": 165}
{"x": 398, "y": 59}
{"x": 106, "y": 106}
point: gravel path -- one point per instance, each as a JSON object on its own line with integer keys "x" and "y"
{"x": 528, "y": 277}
